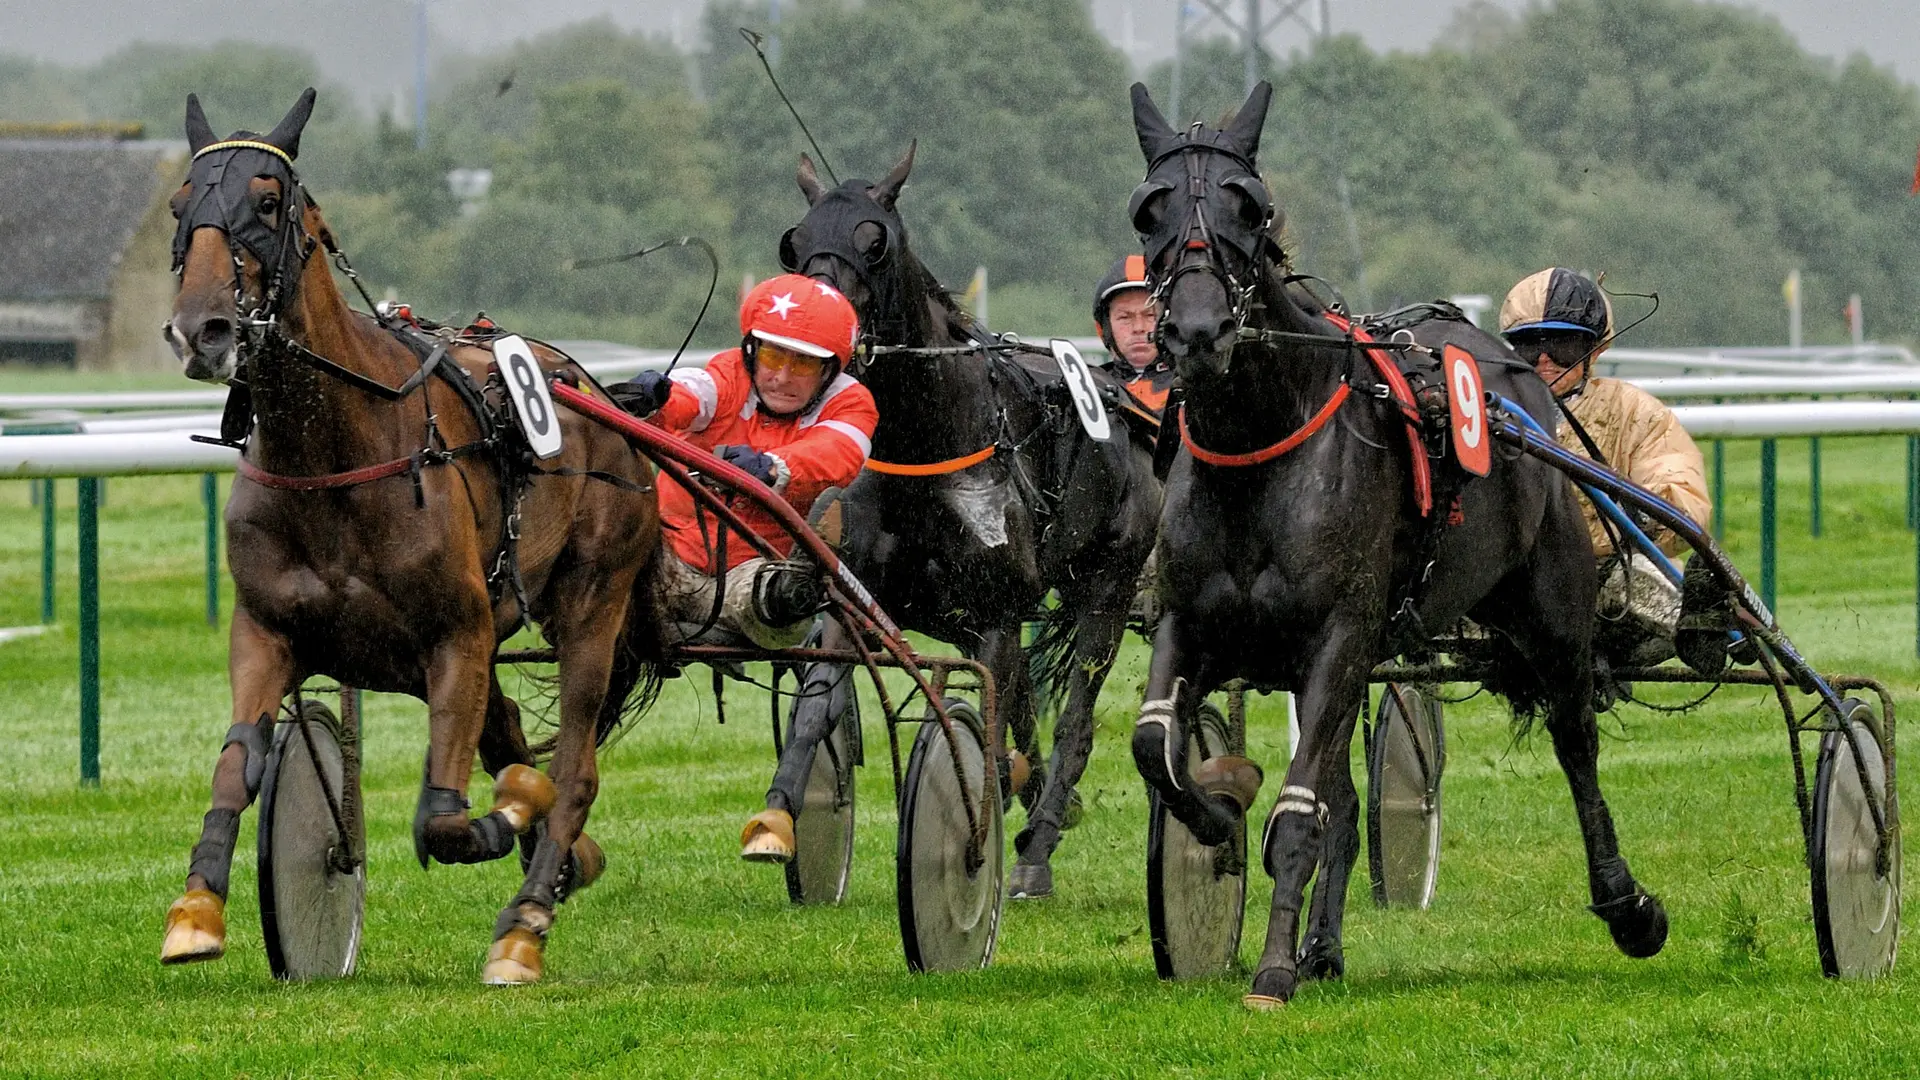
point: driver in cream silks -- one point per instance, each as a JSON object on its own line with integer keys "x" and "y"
{"x": 1559, "y": 321}
{"x": 781, "y": 408}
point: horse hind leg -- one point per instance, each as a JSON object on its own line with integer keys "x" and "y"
{"x": 1321, "y": 955}
{"x": 261, "y": 671}
{"x": 1096, "y": 639}
{"x": 1555, "y": 641}
{"x": 592, "y": 612}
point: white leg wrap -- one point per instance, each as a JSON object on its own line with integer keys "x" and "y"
{"x": 1159, "y": 713}
{"x": 1294, "y": 799}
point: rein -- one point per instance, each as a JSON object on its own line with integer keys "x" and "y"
{"x": 1266, "y": 454}
{"x": 936, "y": 468}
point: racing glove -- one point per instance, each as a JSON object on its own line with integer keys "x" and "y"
{"x": 644, "y": 394}
{"x": 761, "y": 466}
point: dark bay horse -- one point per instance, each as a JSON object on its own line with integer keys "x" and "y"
{"x": 371, "y": 536}
{"x": 1290, "y": 572}
{"x": 981, "y": 495}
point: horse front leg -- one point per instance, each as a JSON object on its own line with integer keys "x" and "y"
{"x": 463, "y": 702}
{"x": 817, "y": 707}
{"x": 260, "y": 671}
{"x": 1000, "y": 651}
{"x": 1212, "y": 801}
{"x": 1096, "y": 639}
{"x": 1296, "y": 831}
{"x": 589, "y": 618}
{"x": 1321, "y": 956}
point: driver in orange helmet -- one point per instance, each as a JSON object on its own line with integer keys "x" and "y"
{"x": 1125, "y": 314}
{"x": 782, "y": 408}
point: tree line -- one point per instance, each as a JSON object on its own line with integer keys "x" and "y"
{"x": 1684, "y": 148}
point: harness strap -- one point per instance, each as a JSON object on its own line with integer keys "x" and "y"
{"x": 1266, "y": 454}
{"x": 936, "y": 468}
{"x": 1409, "y": 412}
{"x": 353, "y": 477}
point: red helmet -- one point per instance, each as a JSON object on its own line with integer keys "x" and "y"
{"x": 801, "y": 314}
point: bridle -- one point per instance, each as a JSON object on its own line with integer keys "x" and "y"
{"x": 219, "y": 199}
{"x": 1196, "y": 243}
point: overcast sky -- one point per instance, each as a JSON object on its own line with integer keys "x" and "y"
{"x": 368, "y": 44}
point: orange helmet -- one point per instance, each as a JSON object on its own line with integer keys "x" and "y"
{"x": 801, "y": 314}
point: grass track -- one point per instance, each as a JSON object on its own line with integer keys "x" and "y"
{"x": 686, "y": 962}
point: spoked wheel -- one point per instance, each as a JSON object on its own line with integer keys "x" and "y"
{"x": 312, "y": 886}
{"x": 1856, "y": 886}
{"x": 1404, "y": 760}
{"x": 1196, "y": 895}
{"x": 823, "y": 832}
{"x": 949, "y": 904}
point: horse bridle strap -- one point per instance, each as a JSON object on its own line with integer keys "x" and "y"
{"x": 246, "y": 144}
{"x": 412, "y": 463}
{"x": 935, "y": 468}
{"x": 1266, "y": 454}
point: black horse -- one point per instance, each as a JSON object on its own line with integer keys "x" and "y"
{"x": 1306, "y": 569}
{"x": 983, "y": 493}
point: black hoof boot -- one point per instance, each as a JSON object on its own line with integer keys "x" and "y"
{"x": 1272, "y": 988}
{"x": 1637, "y": 921}
{"x": 1322, "y": 958}
{"x": 1029, "y": 881}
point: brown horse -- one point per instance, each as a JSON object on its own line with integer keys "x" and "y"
{"x": 388, "y": 529}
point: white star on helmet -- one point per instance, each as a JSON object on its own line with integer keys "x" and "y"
{"x": 783, "y": 304}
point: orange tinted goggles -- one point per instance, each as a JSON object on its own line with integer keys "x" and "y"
{"x": 774, "y": 358}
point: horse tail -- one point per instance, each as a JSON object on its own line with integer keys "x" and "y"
{"x": 1050, "y": 657}
{"x": 638, "y": 656}
{"x": 1512, "y": 676}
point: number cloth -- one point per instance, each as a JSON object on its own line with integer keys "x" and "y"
{"x": 822, "y": 447}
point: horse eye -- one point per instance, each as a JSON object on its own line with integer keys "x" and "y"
{"x": 269, "y": 205}
{"x": 871, "y": 241}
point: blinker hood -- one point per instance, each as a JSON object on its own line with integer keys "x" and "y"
{"x": 219, "y": 198}
{"x": 829, "y": 228}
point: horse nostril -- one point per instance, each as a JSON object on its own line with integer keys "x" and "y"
{"x": 214, "y": 336}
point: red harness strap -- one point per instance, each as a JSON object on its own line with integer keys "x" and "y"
{"x": 1266, "y": 454}
{"x": 1402, "y": 397}
{"x": 350, "y": 478}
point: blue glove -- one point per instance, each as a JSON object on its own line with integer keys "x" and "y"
{"x": 644, "y": 394}
{"x": 754, "y": 463}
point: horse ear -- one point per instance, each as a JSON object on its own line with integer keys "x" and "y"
{"x": 1252, "y": 117}
{"x": 1151, "y": 127}
{"x": 888, "y": 190}
{"x": 286, "y": 134}
{"x": 199, "y": 132}
{"x": 810, "y": 185}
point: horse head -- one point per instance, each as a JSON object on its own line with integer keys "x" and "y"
{"x": 853, "y": 239}
{"x": 1204, "y": 218}
{"x": 246, "y": 229}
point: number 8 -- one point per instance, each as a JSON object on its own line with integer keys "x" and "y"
{"x": 530, "y": 401}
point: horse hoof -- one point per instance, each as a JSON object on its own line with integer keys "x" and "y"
{"x": 1019, "y": 771}
{"x": 514, "y": 959}
{"x": 1272, "y": 988}
{"x": 1230, "y": 777}
{"x": 196, "y": 929}
{"x": 1322, "y": 960}
{"x": 1076, "y": 811}
{"x": 1030, "y": 881}
{"x": 768, "y": 837}
{"x": 1638, "y": 923}
{"x": 523, "y": 795}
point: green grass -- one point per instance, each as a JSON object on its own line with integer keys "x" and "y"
{"x": 684, "y": 961}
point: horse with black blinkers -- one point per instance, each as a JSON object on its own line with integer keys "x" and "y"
{"x": 982, "y": 493}
{"x": 388, "y": 528}
{"x": 1301, "y": 543}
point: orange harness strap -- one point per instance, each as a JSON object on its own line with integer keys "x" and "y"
{"x": 1266, "y": 454}
{"x": 937, "y": 468}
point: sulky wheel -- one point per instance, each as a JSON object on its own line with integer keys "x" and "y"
{"x": 1196, "y": 895}
{"x": 1856, "y": 886}
{"x": 1405, "y": 757}
{"x": 823, "y": 831}
{"x": 312, "y": 887}
{"x": 949, "y": 909}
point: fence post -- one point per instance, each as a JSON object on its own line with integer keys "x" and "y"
{"x": 1813, "y": 478}
{"x": 210, "y": 495}
{"x": 1913, "y": 481}
{"x": 46, "y": 551}
{"x": 1769, "y": 453}
{"x": 89, "y": 631}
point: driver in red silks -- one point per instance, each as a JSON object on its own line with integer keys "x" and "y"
{"x": 781, "y": 408}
